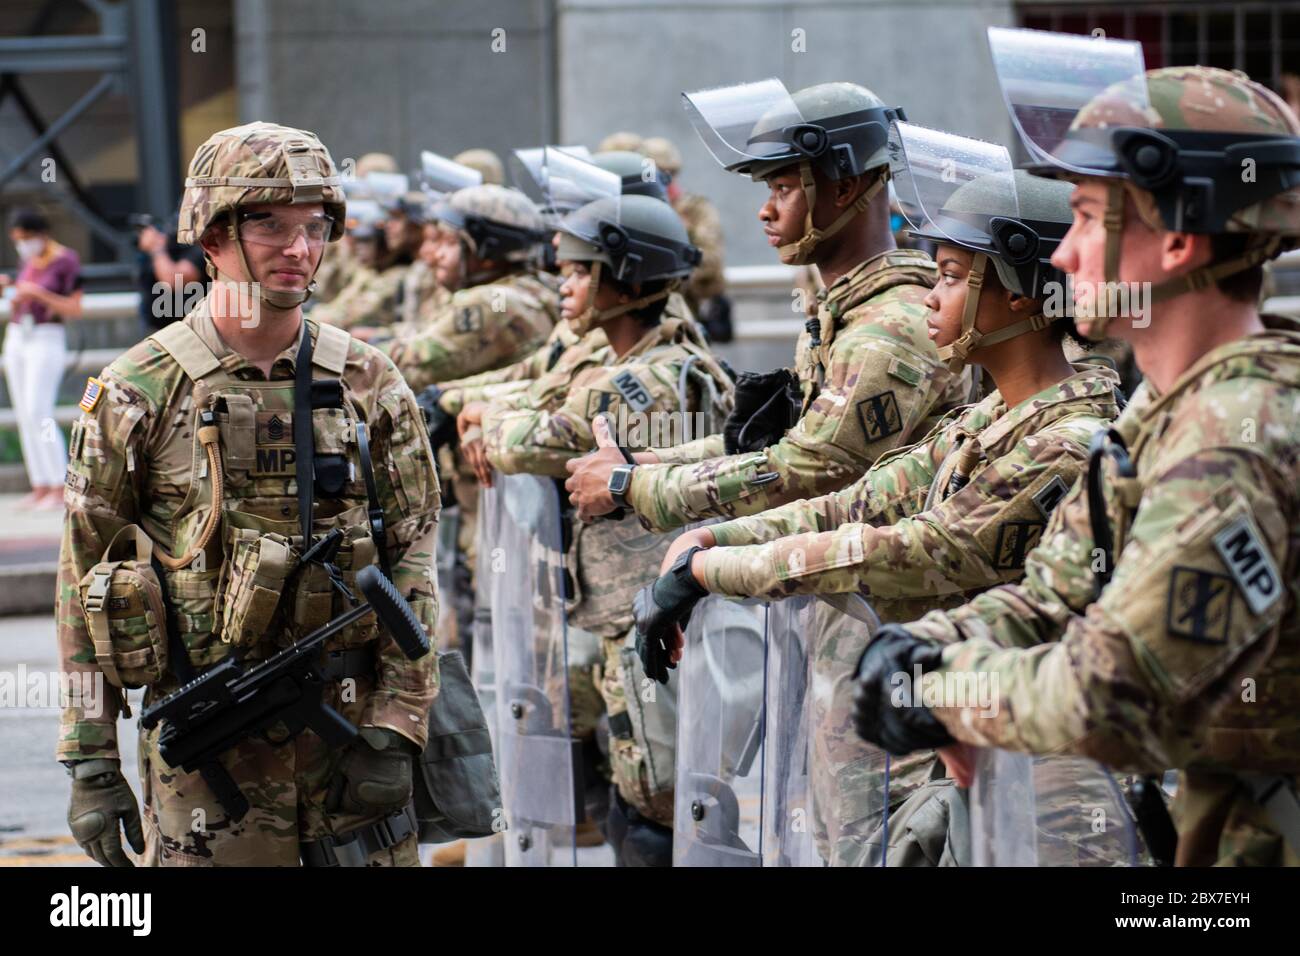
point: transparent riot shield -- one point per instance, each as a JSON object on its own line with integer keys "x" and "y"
{"x": 536, "y": 754}
{"x": 1048, "y": 811}
{"x": 787, "y": 811}
{"x": 718, "y": 810}
{"x": 488, "y": 851}
{"x": 445, "y": 568}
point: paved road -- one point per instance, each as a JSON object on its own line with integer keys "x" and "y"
{"x": 34, "y": 795}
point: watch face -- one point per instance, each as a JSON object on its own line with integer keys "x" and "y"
{"x": 619, "y": 479}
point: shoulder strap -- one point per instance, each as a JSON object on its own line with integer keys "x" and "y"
{"x": 190, "y": 351}
{"x": 331, "y": 351}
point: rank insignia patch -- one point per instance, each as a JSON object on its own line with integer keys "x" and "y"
{"x": 1049, "y": 496}
{"x": 879, "y": 416}
{"x": 1015, "y": 540}
{"x": 91, "y": 396}
{"x": 1200, "y": 605}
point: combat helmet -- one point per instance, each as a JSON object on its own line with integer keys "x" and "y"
{"x": 839, "y": 129}
{"x": 638, "y": 174}
{"x": 633, "y": 239}
{"x": 492, "y": 222}
{"x": 259, "y": 163}
{"x": 1200, "y": 149}
{"x": 963, "y": 192}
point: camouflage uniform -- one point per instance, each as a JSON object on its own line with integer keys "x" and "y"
{"x": 336, "y": 268}
{"x": 421, "y": 294}
{"x": 141, "y": 463}
{"x": 540, "y": 428}
{"x": 909, "y": 536}
{"x": 481, "y": 327}
{"x": 133, "y": 462}
{"x": 871, "y": 379}
{"x": 1187, "y": 656}
{"x": 369, "y": 298}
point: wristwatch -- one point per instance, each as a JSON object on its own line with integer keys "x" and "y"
{"x": 620, "y": 481}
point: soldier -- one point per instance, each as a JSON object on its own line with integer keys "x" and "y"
{"x": 184, "y": 451}
{"x": 372, "y": 296}
{"x": 338, "y": 263}
{"x": 499, "y": 309}
{"x": 705, "y": 294}
{"x": 655, "y": 374}
{"x": 1156, "y": 623}
{"x": 866, "y": 349}
{"x": 953, "y": 514}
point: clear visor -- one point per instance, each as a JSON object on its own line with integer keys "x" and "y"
{"x": 929, "y": 167}
{"x": 527, "y": 168}
{"x": 363, "y": 213}
{"x": 1048, "y": 78}
{"x": 566, "y": 182}
{"x": 442, "y": 176}
{"x": 387, "y": 188}
{"x": 742, "y": 123}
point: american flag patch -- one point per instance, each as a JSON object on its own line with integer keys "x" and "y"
{"x": 91, "y": 396}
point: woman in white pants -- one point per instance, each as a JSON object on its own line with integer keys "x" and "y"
{"x": 46, "y": 292}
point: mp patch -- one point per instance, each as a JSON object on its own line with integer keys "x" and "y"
{"x": 1015, "y": 540}
{"x": 880, "y": 416}
{"x": 1250, "y": 564}
{"x": 633, "y": 392}
{"x": 91, "y": 396}
{"x": 1199, "y": 606}
{"x": 1049, "y": 496}
{"x": 598, "y": 401}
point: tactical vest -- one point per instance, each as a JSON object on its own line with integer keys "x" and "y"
{"x": 245, "y": 586}
{"x": 902, "y": 267}
{"x": 1257, "y": 735}
{"x": 609, "y": 560}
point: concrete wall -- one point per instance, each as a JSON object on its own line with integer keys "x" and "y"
{"x": 624, "y": 64}
{"x": 400, "y": 76}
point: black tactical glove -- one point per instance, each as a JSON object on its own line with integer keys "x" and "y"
{"x": 102, "y": 802}
{"x": 766, "y": 406}
{"x": 899, "y": 728}
{"x": 374, "y": 775}
{"x": 442, "y": 426}
{"x": 661, "y": 605}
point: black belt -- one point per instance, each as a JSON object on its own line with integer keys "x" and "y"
{"x": 355, "y": 847}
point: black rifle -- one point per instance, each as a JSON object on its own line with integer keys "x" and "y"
{"x": 236, "y": 699}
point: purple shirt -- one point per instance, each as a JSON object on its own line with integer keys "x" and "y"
{"x": 61, "y": 275}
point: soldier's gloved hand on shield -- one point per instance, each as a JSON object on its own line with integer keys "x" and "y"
{"x": 442, "y": 426}
{"x": 900, "y": 727}
{"x": 103, "y": 805}
{"x": 765, "y": 407}
{"x": 374, "y": 775}
{"x": 660, "y": 609}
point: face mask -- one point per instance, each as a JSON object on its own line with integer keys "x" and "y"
{"x": 29, "y": 248}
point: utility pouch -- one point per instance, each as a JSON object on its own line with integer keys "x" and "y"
{"x": 123, "y": 603}
{"x": 259, "y": 565}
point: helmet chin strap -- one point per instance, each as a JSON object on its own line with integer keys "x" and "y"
{"x": 282, "y": 299}
{"x": 591, "y": 317}
{"x": 1094, "y": 319}
{"x": 957, "y": 355}
{"x": 798, "y": 253}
